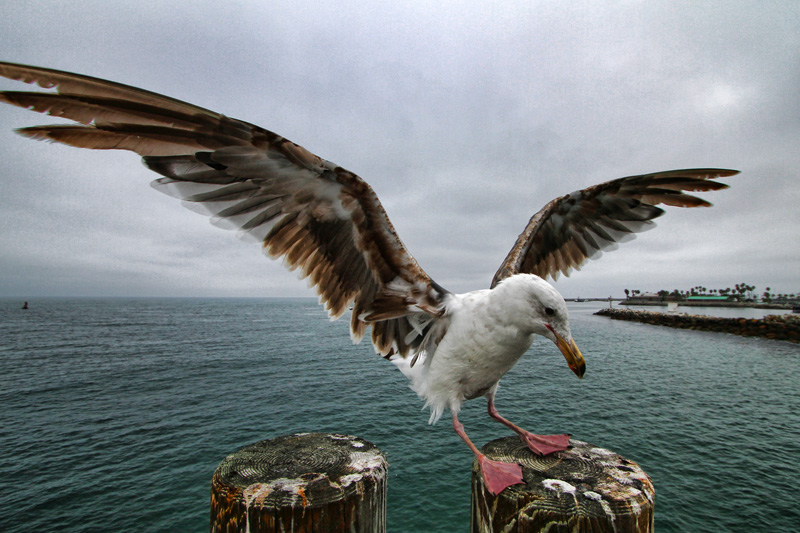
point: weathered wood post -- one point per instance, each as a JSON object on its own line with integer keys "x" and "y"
{"x": 582, "y": 489}
{"x": 302, "y": 482}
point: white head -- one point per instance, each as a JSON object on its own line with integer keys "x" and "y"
{"x": 542, "y": 310}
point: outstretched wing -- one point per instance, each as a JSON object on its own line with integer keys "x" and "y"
{"x": 320, "y": 218}
{"x": 573, "y": 228}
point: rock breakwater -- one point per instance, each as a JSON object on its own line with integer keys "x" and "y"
{"x": 778, "y": 327}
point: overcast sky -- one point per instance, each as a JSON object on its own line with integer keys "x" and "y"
{"x": 465, "y": 117}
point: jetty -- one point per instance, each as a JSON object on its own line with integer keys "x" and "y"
{"x": 778, "y": 327}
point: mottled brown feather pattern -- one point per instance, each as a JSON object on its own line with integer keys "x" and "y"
{"x": 569, "y": 230}
{"x": 321, "y": 219}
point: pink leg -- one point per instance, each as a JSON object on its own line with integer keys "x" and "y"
{"x": 496, "y": 474}
{"x": 539, "y": 444}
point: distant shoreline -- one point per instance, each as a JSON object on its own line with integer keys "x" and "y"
{"x": 685, "y": 303}
{"x": 707, "y": 303}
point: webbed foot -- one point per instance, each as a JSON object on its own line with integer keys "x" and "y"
{"x": 544, "y": 444}
{"x": 498, "y": 475}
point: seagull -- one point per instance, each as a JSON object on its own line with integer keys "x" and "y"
{"x": 328, "y": 224}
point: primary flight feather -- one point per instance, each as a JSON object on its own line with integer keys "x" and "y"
{"x": 328, "y": 223}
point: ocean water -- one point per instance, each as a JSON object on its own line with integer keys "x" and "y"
{"x": 114, "y": 413}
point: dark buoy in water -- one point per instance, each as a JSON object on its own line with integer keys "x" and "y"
{"x": 25, "y": 305}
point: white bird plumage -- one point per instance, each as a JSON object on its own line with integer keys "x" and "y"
{"x": 487, "y": 332}
{"x": 328, "y": 223}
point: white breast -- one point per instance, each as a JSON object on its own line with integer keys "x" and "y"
{"x": 480, "y": 346}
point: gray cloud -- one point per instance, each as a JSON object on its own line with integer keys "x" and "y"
{"x": 465, "y": 119}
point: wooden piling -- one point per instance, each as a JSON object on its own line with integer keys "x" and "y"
{"x": 303, "y": 482}
{"x": 582, "y": 489}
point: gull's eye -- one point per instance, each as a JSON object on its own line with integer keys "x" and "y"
{"x": 549, "y": 311}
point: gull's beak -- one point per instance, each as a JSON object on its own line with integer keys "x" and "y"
{"x": 572, "y": 354}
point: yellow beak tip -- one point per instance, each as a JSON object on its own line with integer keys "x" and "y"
{"x": 573, "y": 356}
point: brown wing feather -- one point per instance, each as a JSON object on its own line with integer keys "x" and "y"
{"x": 79, "y": 85}
{"x": 321, "y": 219}
{"x": 573, "y": 228}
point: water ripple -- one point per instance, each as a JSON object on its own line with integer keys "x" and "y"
{"x": 131, "y": 404}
